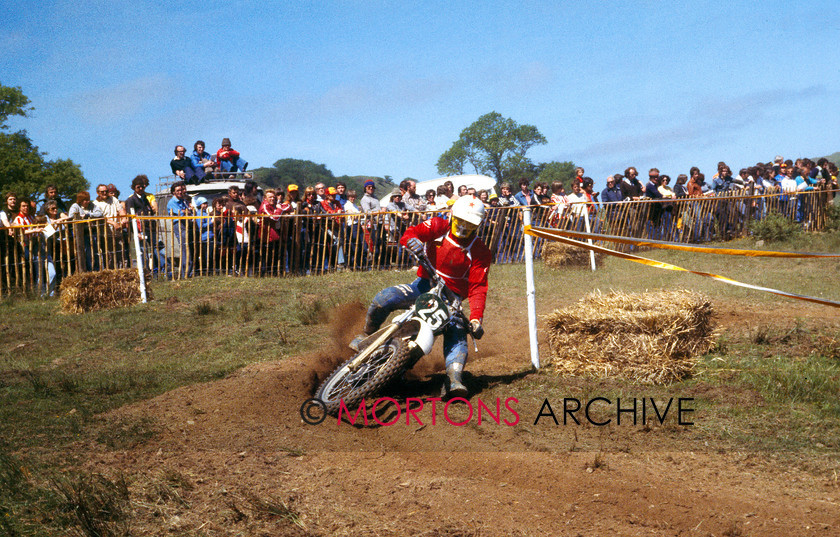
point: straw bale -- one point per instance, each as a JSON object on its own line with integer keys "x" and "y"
{"x": 557, "y": 254}
{"x": 650, "y": 337}
{"x": 90, "y": 291}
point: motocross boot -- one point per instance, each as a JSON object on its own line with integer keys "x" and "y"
{"x": 452, "y": 386}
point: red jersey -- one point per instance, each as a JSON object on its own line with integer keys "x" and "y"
{"x": 462, "y": 263}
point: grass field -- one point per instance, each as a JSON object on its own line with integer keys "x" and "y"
{"x": 770, "y": 385}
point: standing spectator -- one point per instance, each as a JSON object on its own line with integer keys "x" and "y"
{"x": 110, "y": 239}
{"x": 140, "y": 204}
{"x": 28, "y": 239}
{"x": 413, "y": 202}
{"x": 431, "y": 202}
{"x": 450, "y": 189}
{"x": 234, "y": 200}
{"x": 525, "y": 196}
{"x": 269, "y": 232}
{"x": 441, "y": 197}
{"x": 179, "y": 205}
{"x": 355, "y": 254}
{"x": 224, "y": 235}
{"x": 612, "y": 193}
{"x": 320, "y": 192}
{"x": 51, "y": 194}
{"x": 631, "y": 187}
{"x": 10, "y": 211}
{"x": 560, "y": 202}
{"x": 205, "y": 246}
{"x": 52, "y": 246}
{"x": 680, "y": 189}
{"x": 85, "y": 242}
{"x": 376, "y": 237}
{"x": 229, "y": 160}
{"x": 341, "y": 192}
{"x": 183, "y": 166}
{"x": 507, "y": 199}
{"x": 203, "y": 162}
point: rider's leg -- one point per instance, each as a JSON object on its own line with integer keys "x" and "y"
{"x": 399, "y": 297}
{"x": 455, "y": 353}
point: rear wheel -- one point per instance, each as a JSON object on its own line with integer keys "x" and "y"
{"x": 384, "y": 364}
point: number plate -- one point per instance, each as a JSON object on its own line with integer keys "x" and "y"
{"x": 431, "y": 309}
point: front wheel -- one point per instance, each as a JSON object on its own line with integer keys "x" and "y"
{"x": 383, "y": 365}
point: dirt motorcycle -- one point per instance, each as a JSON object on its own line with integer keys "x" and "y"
{"x": 394, "y": 349}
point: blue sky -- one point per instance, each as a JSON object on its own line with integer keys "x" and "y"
{"x": 383, "y": 88}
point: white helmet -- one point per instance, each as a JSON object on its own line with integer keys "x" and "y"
{"x": 469, "y": 209}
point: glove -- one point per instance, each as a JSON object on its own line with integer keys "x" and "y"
{"x": 415, "y": 245}
{"x": 476, "y": 329}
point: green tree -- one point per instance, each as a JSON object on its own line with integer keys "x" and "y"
{"x": 558, "y": 171}
{"x": 293, "y": 171}
{"x": 493, "y": 145}
{"x": 23, "y": 168}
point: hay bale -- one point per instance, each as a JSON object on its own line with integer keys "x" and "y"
{"x": 90, "y": 291}
{"x": 557, "y": 254}
{"x": 650, "y": 337}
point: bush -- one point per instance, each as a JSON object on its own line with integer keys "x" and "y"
{"x": 774, "y": 228}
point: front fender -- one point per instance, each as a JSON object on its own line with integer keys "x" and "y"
{"x": 425, "y": 337}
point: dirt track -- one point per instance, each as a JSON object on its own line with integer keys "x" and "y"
{"x": 242, "y": 438}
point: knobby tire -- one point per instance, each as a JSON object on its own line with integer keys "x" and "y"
{"x": 382, "y": 366}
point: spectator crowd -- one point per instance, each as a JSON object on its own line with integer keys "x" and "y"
{"x": 306, "y": 229}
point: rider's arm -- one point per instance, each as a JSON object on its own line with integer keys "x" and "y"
{"x": 477, "y": 292}
{"x": 426, "y": 231}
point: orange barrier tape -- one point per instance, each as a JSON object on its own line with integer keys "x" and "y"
{"x": 665, "y": 245}
{"x": 550, "y": 235}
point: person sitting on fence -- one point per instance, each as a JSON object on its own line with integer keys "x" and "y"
{"x": 51, "y": 194}
{"x": 229, "y": 160}
{"x": 182, "y": 166}
{"x": 203, "y": 162}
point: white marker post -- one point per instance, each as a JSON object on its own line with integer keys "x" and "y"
{"x": 591, "y": 252}
{"x": 139, "y": 254}
{"x": 530, "y": 292}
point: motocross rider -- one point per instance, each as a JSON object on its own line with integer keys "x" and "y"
{"x": 462, "y": 260}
